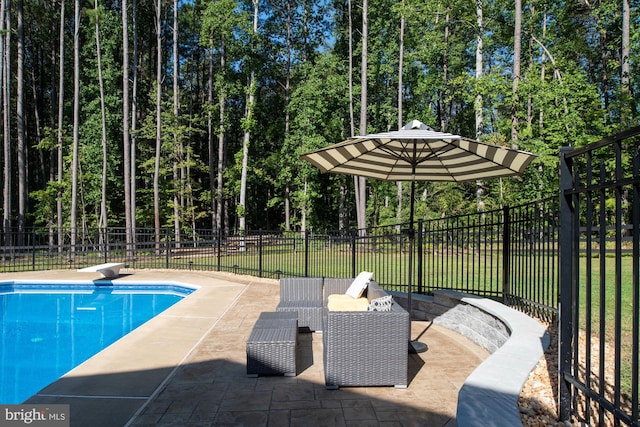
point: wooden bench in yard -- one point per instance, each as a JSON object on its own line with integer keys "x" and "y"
{"x": 108, "y": 270}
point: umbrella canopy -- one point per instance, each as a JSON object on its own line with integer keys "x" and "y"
{"x": 418, "y": 153}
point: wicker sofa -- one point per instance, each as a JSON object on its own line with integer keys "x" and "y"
{"x": 361, "y": 348}
{"x": 304, "y": 296}
{"x": 365, "y": 348}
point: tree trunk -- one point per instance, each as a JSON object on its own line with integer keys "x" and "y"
{"x": 245, "y": 154}
{"x": 22, "y": 164}
{"x": 400, "y": 114}
{"x": 626, "y": 25}
{"x": 177, "y": 143}
{"x": 156, "y": 168}
{"x": 445, "y": 75}
{"x": 478, "y": 100}
{"x": 343, "y": 218}
{"x": 76, "y": 126}
{"x": 479, "y": 66}
{"x": 352, "y": 124}
{"x": 361, "y": 183}
{"x": 102, "y": 223}
{"x": 247, "y": 132}
{"x": 126, "y": 137}
{"x": 6, "y": 99}
{"x": 221, "y": 143}
{"x": 352, "y": 120}
{"x": 134, "y": 121}
{"x": 287, "y": 101}
{"x": 400, "y": 68}
{"x": 624, "y": 62}
{"x": 530, "y": 106}
{"x": 60, "y": 124}
{"x": 556, "y": 75}
{"x": 543, "y": 69}
{"x": 210, "y": 146}
{"x": 38, "y": 128}
{"x": 605, "y": 73}
{"x": 517, "y": 43}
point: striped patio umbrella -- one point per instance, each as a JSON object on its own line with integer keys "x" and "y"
{"x": 418, "y": 153}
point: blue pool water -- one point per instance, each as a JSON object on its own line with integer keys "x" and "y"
{"x": 47, "y": 330}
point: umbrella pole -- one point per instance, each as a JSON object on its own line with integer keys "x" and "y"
{"x": 414, "y": 346}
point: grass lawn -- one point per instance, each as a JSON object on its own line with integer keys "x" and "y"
{"x": 532, "y": 279}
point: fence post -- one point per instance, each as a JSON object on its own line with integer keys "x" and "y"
{"x": 167, "y": 248}
{"x": 353, "y": 253}
{"x": 565, "y": 237}
{"x": 635, "y": 215}
{"x": 419, "y": 268}
{"x": 106, "y": 244}
{"x": 260, "y": 253}
{"x": 506, "y": 253}
{"x": 219, "y": 247}
{"x": 33, "y": 251}
{"x": 306, "y": 253}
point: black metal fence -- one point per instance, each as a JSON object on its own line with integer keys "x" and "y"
{"x": 599, "y": 273}
{"x": 507, "y": 254}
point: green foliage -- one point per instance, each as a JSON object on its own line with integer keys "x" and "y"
{"x": 317, "y": 107}
{"x": 570, "y": 93}
{"x": 46, "y": 203}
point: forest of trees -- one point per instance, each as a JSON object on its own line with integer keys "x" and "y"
{"x": 192, "y": 114}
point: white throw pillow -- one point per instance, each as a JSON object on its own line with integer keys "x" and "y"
{"x": 381, "y": 304}
{"x": 359, "y": 284}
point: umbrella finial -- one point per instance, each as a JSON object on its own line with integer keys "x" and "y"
{"x": 416, "y": 124}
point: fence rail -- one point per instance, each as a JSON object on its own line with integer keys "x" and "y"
{"x": 507, "y": 254}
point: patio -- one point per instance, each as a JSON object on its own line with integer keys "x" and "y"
{"x": 188, "y": 367}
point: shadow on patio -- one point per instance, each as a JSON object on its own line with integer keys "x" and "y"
{"x": 210, "y": 386}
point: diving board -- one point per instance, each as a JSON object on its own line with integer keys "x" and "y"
{"x": 108, "y": 270}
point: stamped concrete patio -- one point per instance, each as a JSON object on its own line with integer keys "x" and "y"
{"x": 187, "y": 367}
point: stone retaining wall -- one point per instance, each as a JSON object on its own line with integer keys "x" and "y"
{"x": 489, "y": 396}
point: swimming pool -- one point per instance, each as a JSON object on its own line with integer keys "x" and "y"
{"x": 48, "y": 329}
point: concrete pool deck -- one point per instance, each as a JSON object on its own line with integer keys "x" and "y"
{"x": 187, "y": 367}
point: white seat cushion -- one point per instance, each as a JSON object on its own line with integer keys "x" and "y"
{"x": 342, "y": 302}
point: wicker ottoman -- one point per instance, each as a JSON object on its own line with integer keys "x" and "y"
{"x": 272, "y": 345}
